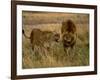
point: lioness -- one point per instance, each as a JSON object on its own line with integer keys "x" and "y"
{"x": 41, "y": 38}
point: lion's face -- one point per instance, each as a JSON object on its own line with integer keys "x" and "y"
{"x": 69, "y": 33}
{"x": 68, "y": 38}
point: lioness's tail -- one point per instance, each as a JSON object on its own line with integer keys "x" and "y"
{"x": 25, "y": 34}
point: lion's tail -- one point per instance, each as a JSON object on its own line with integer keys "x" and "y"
{"x": 25, "y": 34}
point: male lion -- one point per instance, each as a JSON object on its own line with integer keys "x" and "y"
{"x": 42, "y": 39}
{"x": 69, "y": 34}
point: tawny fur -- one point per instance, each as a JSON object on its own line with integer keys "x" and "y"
{"x": 42, "y": 38}
{"x": 69, "y": 34}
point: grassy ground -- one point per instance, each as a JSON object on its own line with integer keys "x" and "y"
{"x": 55, "y": 57}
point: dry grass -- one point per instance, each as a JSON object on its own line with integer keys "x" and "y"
{"x": 55, "y": 57}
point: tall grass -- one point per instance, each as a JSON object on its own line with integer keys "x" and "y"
{"x": 55, "y": 56}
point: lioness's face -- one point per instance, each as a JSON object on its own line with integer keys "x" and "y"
{"x": 56, "y": 37}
